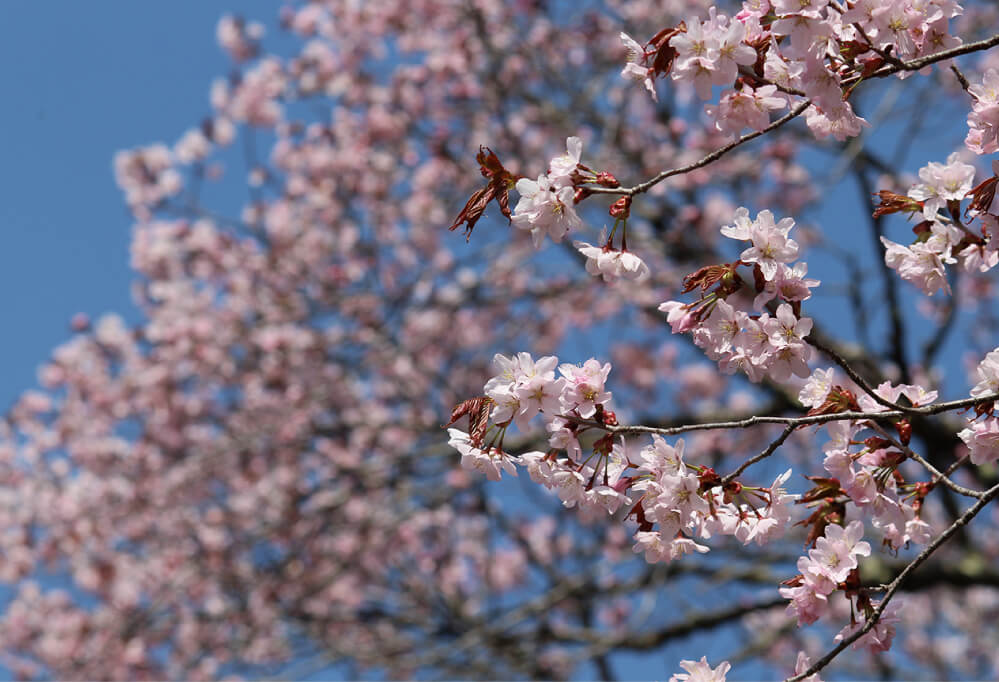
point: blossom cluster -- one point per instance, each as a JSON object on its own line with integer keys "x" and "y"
{"x": 547, "y": 205}
{"x": 982, "y": 436}
{"x": 676, "y": 501}
{"x": 983, "y": 121}
{"x": 866, "y": 471}
{"x": 760, "y": 345}
{"x": 941, "y": 239}
{"x": 678, "y": 504}
{"x": 829, "y": 564}
{"x": 147, "y": 176}
{"x": 612, "y": 264}
{"x": 774, "y": 51}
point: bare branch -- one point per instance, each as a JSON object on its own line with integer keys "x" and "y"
{"x": 710, "y": 158}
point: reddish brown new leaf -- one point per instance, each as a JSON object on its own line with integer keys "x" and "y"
{"x": 896, "y": 203}
{"x": 467, "y": 407}
{"x": 839, "y": 399}
{"x": 501, "y": 182}
{"x": 825, "y": 488}
{"x": 982, "y": 196}
{"x": 707, "y": 276}
{"x": 474, "y": 209}
{"x": 662, "y": 63}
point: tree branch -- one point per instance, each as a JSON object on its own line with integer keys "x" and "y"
{"x": 961, "y": 521}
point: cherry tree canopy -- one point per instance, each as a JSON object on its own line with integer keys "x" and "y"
{"x": 750, "y": 405}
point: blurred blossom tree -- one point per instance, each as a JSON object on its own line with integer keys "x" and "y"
{"x": 255, "y": 480}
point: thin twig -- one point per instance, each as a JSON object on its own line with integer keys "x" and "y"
{"x": 960, "y": 77}
{"x": 938, "y": 476}
{"x": 771, "y": 449}
{"x": 789, "y": 421}
{"x": 922, "y": 62}
{"x": 713, "y": 156}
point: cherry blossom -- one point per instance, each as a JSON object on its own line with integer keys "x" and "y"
{"x": 488, "y": 462}
{"x": 942, "y": 183}
{"x": 545, "y": 208}
{"x": 612, "y": 264}
{"x": 746, "y": 108}
{"x": 983, "y": 121}
{"x": 701, "y": 671}
{"x": 771, "y": 245}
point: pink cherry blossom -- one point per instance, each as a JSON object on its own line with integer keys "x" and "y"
{"x": 701, "y": 671}
{"x": 491, "y": 463}
{"x": 942, "y": 183}
{"x": 983, "y": 121}
{"x": 878, "y": 638}
{"x": 545, "y": 209}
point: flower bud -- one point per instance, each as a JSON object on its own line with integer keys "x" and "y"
{"x": 621, "y": 208}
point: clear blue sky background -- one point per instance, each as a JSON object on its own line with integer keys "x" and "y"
{"x": 81, "y": 80}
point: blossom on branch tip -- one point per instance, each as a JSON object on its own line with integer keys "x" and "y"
{"x": 584, "y": 387}
{"x": 701, "y": 671}
{"x": 816, "y": 388}
{"x": 745, "y": 108}
{"x": 789, "y": 283}
{"x": 835, "y": 553}
{"x": 710, "y": 53}
{"x": 922, "y": 263}
{"x": 838, "y": 121}
{"x": 523, "y": 387}
{"x": 661, "y": 458}
{"x": 636, "y": 69}
{"x": 545, "y": 209}
{"x": 562, "y": 168}
{"x": 771, "y": 244}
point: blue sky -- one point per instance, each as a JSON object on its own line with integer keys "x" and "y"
{"x": 82, "y": 80}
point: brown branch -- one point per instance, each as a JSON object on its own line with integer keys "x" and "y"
{"x": 710, "y": 158}
{"x": 961, "y": 521}
{"x": 771, "y": 449}
{"x": 652, "y": 640}
{"x": 895, "y": 67}
{"x": 938, "y": 476}
{"x": 960, "y": 77}
{"x": 789, "y": 421}
{"x": 922, "y": 62}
